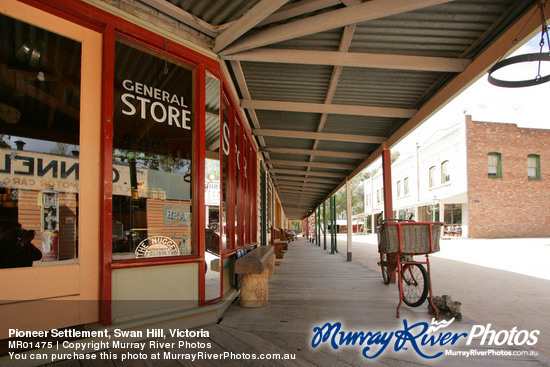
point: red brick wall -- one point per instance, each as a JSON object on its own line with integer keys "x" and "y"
{"x": 511, "y": 206}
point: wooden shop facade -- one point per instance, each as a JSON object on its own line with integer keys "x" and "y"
{"x": 124, "y": 154}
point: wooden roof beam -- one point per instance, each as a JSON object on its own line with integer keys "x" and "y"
{"x": 305, "y": 173}
{"x": 249, "y": 20}
{"x": 328, "y": 108}
{"x": 374, "y": 9}
{"x": 507, "y": 42}
{"x": 317, "y": 195}
{"x": 308, "y": 194}
{"x": 283, "y": 162}
{"x": 306, "y": 202}
{"x": 296, "y": 9}
{"x": 321, "y": 153}
{"x": 243, "y": 86}
{"x": 181, "y": 15}
{"x": 322, "y": 136}
{"x": 302, "y": 207}
{"x": 353, "y": 59}
{"x": 281, "y": 183}
{"x": 312, "y": 190}
{"x": 306, "y": 179}
{"x": 302, "y": 195}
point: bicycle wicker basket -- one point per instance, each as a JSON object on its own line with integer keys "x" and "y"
{"x": 415, "y": 238}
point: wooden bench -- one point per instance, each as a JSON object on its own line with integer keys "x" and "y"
{"x": 278, "y": 243}
{"x": 256, "y": 267}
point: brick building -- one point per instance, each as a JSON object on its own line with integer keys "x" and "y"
{"x": 508, "y": 184}
{"x": 483, "y": 179}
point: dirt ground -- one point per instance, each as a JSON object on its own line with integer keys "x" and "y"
{"x": 504, "y": 282}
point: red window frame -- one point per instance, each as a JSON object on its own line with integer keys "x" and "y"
{"x": 110, "y": 25}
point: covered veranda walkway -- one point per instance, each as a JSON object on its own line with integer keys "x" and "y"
{"x": 310, "y": 288}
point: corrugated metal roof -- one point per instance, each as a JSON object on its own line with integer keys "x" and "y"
{"x": 362, "y": 125}
{"x": 287, "y": 82}
{"x": 284, "y": 120}
{"x": 216, "y": 12}
{"x": 323, "y": 41}
{"x": 455, "y": 29}
{"x": 275, "y": 142}
{"x": 385, "y": 88}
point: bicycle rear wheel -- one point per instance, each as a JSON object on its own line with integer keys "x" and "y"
{"x": 415, "y": 284}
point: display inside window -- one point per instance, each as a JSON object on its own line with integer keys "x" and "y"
{"x": 39, "y": 146}
{"x": 152, "y": 154}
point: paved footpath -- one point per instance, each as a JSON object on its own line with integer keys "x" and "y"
{"x": 504, "y": 282}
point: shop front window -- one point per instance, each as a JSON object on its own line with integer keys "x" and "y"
{"x": 212, "y": 171}
{"x": 226, "y": 193}
{"x": 453, "y": 214}
{"x": 39, "y": 145}
{"x": 238, "y": 185}
{"x": 152, "y": 154}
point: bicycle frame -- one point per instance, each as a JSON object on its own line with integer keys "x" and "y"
{"x": 398, "y": 263}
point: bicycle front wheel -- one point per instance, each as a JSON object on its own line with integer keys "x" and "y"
{"x": 415, "y": 284}
{"x": 386, "y": 268}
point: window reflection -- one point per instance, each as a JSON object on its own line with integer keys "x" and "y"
{"x": 238, "y": 184}
{"x": 152, "y": 154}
{"x": 212, "y": 173}
{"x": 39, "y": 145}
{"x": 226, "y": 241}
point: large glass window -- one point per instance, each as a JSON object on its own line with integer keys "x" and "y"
{"x": 226, "y": 192}
{"x": 152, "y": 154}
{"x": 246, "y": 193}
{"x": 238, "y": 185}
{"x": 213, "y": 232}
{"x": 252, "y": 195}
{"x": 453, "y": 214}
{"x": 39, "y": 145}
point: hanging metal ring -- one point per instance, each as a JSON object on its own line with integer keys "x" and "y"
{"x": 540, "y": 57}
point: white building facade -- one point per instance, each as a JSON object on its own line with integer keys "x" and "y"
{"x": 429, "y": 183}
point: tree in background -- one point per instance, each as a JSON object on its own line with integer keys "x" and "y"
{"x": 357, "y": 192}
{"x": 4, "y": 144}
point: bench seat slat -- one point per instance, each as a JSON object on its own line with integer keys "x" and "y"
{"x": 256, "y": 261}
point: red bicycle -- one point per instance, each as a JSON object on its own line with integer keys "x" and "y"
{"x": 399, "y": 240}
